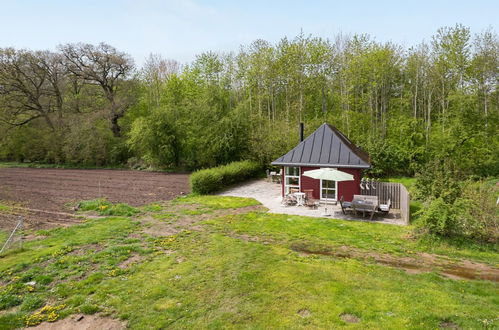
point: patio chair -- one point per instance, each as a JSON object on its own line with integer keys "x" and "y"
{"x": 289, "y": 200}
{"x": 345, "y": 205}
{"x": 385, "y": 207}
{"x": 310, "y": 201}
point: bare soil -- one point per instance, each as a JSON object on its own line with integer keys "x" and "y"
{"x": 83, "y": 322}
{"x": 349, "y": 318}
{"x": 46, "y": 196}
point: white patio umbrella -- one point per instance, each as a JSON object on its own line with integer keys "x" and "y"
{"x": 328, "y": 174}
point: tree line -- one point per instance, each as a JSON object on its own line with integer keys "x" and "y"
{"x": 408, "y": 107}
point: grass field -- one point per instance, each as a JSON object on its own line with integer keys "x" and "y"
{"x": 226, "y": 263}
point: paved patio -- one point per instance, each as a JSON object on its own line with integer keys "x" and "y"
{"x": 269, "y": 194}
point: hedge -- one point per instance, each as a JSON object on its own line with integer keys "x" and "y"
{"x": 214, "y": 179}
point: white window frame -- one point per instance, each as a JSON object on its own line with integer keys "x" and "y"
{"x": 288, "y": 186}
{"x": 335, "y": 191}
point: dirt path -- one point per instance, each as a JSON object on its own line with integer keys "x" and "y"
{"x": 53, "y": 190}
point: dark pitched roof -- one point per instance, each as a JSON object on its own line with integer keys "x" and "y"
{"x": 326, "y": 147}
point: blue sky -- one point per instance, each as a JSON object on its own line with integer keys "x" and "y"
{"x": 181, "y": 29}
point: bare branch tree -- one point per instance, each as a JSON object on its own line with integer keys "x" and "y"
{"x": 30, "y": 86}
{"x": 106, "y": 67}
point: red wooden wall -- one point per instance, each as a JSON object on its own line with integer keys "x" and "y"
{"x": 350, "y": 188}
{"x": 309, "y": 183}
{"x": 346, "y": 188}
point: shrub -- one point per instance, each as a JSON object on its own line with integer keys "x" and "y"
{"x": 472, "y": 215}
{"x": 439, "y": 218}
{"x": 213, "y": 179}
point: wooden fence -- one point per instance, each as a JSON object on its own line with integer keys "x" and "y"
{"x": 395, "y": 192}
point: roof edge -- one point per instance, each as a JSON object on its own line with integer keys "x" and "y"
{"x": 321, "y": 165}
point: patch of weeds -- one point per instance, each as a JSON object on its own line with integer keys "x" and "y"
{"x": 9, "y": 299}
{"x": 5, "y": 208}
{"x": 165, "y": 216}
{"x": 217, "y": 202}
{"x": 196, "y": 212}
{"x": 76, "y": 300}
{"x": 12, "y": 321}
{"x": 32, "y": 303}
{"x": 164, "y": 304}
{"x": 106, "y": 208}
{"x": 89, "y": 309}
{"x": 43, "y": 279}
{"x": 154, "y": 207}
{"x": 47, "y": 313}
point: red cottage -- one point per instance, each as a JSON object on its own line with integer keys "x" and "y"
{"x": 326, "y": 147}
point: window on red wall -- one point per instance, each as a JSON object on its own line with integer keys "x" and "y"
{"x": 329, "y": 189}
{"x": 291, "y": 179}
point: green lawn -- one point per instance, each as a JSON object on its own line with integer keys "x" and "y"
{"x": 236, "y": 268}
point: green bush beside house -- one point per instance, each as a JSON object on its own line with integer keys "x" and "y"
{"x": 214, "y": 179}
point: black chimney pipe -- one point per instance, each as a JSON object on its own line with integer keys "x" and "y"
{"x": 301, "y": 132}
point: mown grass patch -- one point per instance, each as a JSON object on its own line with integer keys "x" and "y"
{"x": 212, "y": 278}
{"x": 367, "y": 236}
{"x": 106, "y": 208}
{"x": 225, "y": 281}
{"x": 217, "y": 202}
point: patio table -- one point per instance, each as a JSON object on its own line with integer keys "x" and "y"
{"x": 365, "y": 204}
{"x": 300, "y": 198}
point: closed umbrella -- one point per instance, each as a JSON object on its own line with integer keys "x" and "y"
{"x": 328, "y": 174}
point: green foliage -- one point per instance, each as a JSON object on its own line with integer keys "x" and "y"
{"x": 12, "y": 321}
{"x": 9, "y": 299}
{"x": 89, "y": 309}
{"x": 93, "y": 143}
{"x": 440, "y": 218}
{"x": 459, "y": 209}
{"x": 214, "y": 179}
{"x": 105, "y": 208}
{"x": 439, "y": 179}
{"x": 154, "y": 138}
{"x": 32, "y": 303}
{"x": 406, "y": 107}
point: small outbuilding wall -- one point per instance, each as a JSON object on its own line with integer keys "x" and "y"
{"x": 345, "y": 188}
{"x": 349, "y": 188}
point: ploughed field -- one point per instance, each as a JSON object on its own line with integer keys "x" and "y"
{"x": 48, "y": 197}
